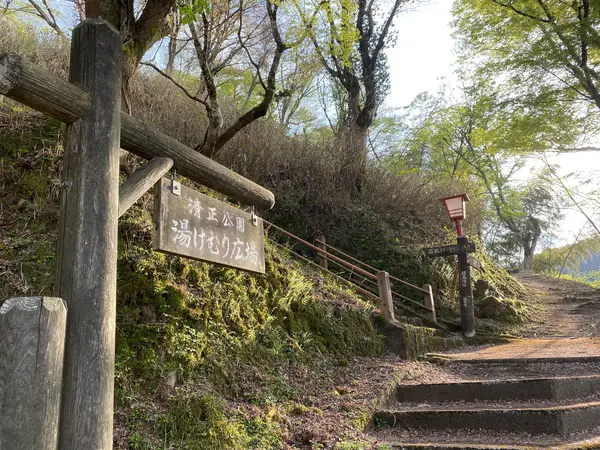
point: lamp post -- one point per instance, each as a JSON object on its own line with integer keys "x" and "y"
{"x": 455, "y": 206}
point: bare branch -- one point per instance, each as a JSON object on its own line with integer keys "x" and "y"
{"x": 175, "y": 82}
{"x": 47, "y": 16}
{"x": 510, "y": 6}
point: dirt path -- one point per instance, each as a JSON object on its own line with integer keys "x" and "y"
{"x": 565, "y": 323}
{"x": 561, "y": 308}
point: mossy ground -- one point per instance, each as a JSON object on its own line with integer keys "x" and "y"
{"x": 204, "y": 353}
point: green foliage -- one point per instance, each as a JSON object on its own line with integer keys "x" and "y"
{"x": 483, "y": 140}
{"x": 197, "y": 421}
{"x": 545, "y": 51}
{"x": 227, "y": 338}
{"x": 231, "y": 332}
{"x": 351, "y": 446}
{"x": 567, "y": 256}
{"x": 191, "y": 11}
{"x": 591, "y": 278}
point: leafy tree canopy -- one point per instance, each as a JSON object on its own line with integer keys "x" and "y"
{"x": 548, "y": 51}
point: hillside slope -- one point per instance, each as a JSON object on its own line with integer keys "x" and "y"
{"x": 213, "y": 358}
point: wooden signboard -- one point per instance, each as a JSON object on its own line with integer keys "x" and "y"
{"x": 190, "y": 224}
{"x": 448, "y": 250}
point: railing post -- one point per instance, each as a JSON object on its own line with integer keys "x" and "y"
{"x": 87, "y": 240}
{"x": 321, "y": 258}
{"x": 32, "y": 340}
{"x": 429, "y": 303}
{"x": 385, "y": 295}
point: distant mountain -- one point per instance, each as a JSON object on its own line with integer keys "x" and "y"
{"x": 590, "y": 265}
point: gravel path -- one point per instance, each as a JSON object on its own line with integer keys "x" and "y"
{"x": 535, "y": 349}
{"x": 566, "y": 324}
{"x": 561, "y": 308}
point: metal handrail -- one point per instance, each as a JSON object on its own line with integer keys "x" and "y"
{"x": 337, "y": 250}
{"x": 368, "y": 266}
{"x": 312, "y": 263}
{"x": 426, "y": 308}
{"x": 409, "y": 284}
{"x": 321, "y": 251}
{"x": 349, "y": 267}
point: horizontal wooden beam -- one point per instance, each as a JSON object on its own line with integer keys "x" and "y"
{"x": 143, "y": 140}
{"x": 41, "y": 90}
{"x": 48, "y": 93}
{"x": 140, "y": 181}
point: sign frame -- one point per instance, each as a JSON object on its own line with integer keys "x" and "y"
{"x": 193, "y": 225}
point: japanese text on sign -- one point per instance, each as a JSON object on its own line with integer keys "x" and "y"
{"x": 197, "y": 226}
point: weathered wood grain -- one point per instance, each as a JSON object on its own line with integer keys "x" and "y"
{"x": 197, "y": 226}
{"x": 87, "y": 240}
{"x": 32, "y": 337}
{"x": 44, "y": 91}
{"x": 41, "y": 90}
{"x": 467, "y": 310}
{"x": 429, "y": 303}
{"x": 386, "y": 301}
{"x": 141, "y": 181}
{"x": 321, "y": 257}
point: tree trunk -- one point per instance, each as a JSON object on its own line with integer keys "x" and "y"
{"x": 527, "y": 259}
{"x": 173, "y": 45}
{"x": 130, "y": 64}
{"x": 356, "y": 154}
{"x": 530, "y": 243}
{"x": 354, "y": 145}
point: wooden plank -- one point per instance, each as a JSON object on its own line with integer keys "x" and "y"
{"x": 197, "y": 226}
{"x": 46, "y": 92}
{"x": 32, "y": 337}
{"x": 449, "y": 250}
{"x": 385, "y": 296}
{"x": 145, "y": 141}
{"x": 41, "y": 90}
{"x": 141, "y": 181}
{"x": 429, "y": 303}
{"x": 322, "y": 258}
{"x": 87, "y": 240}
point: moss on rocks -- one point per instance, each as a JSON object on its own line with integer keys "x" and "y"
{"x": 505, "y": 310}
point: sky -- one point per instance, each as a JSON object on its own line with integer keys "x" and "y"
{"x": 423, "y": 55}
{"x": 423, "y": 59}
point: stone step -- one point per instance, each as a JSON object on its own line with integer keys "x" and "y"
{"x": 555, "y": 389}
{"x": 484, "y": 440}
{"x": 411, "y": 342}
{"x": 476, "y": 405}
{"x": 437, "y": 357}
{"x": 558, "y": 420}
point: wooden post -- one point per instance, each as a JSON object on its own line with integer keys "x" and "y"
{"x": 321, "y": 258}
{"x": 32, "y": 338}
{"x": 467, "y": 314}
{"x": 454, "y": 284}
{"x": 429, "y": 303}
{"x": 385, "y": 295}
{"x": 87, "y": 240}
